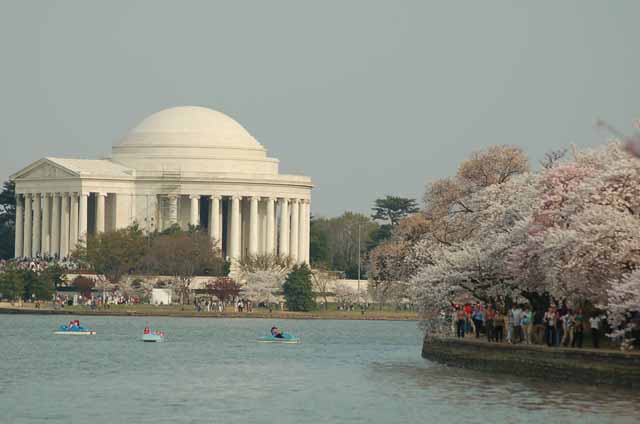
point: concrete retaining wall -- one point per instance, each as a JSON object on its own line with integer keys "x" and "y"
{"x": 560, "y": 364}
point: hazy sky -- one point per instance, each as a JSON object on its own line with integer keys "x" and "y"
{"x": 367, "y": 97}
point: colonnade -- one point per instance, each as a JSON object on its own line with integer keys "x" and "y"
{"x": 251, "y": 223}
{"x": 52, "y": 224}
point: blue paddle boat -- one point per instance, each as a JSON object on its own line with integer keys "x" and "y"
{"x": 153, "y": 337}
{"x": 76, "y": 330}
{"x": 285, "y": 339}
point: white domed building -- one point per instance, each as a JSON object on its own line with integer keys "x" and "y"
{"x": 183, "y": 165}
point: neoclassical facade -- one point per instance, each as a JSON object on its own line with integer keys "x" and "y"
{"x": 185, "y": 166}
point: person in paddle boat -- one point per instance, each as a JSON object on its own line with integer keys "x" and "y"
{"x": 74, "y": 324}
{"x": 275, "y": 332}
{"x": 147, "y": 330}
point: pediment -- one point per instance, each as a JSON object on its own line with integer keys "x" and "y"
{"x": 43, "y": 169}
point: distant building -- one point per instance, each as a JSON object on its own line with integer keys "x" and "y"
{"x": 185, "y": 166}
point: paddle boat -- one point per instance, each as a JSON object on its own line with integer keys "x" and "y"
{"x": 285, "y": 339}
{"x": 74, "y": 329}
{"x": 152, "y": 336}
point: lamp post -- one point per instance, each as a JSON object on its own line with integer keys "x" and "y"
{"x": 358, "y": 262}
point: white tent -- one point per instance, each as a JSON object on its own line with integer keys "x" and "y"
{"x": 160, "y": 296}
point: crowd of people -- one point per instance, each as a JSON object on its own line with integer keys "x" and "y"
{"x": 239, "y": 305}
{"x": 557, "y": 326}
{"x": 97, "y": 301}
{"x": 40, "y": 263}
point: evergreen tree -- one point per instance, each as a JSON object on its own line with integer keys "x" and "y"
{"x": 36, "y": 286}
{"x": 391, "y": 209}
{"x": 11, "y": 284}
{"x": 7, "y": 220}
{"x": 298, "y": 289}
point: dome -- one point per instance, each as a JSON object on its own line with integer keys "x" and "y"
{"x": 194, "y": 140}
{"x": 189, "y": 126}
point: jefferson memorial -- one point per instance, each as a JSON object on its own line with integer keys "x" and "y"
{"x": 181, "y": 166}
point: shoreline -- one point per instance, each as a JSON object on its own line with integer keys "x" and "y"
{"x": 585, "y": 366}
{"x": 331, "y": 315}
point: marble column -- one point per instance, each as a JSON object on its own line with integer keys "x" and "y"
{"x": 46, "y": 225}
{"x": 214, "y": 221}
{"x": 301, "y": 231}
{"x": 55, "y": 224}
{"x": 64, "y": 225}
{"x": 271, "y": 224}
{"x": 195, "y": 210}
{"x": 73, "y": 222}
{"x": 82, "y": 216}
{"x": 295, "y": 222}
{"x": 307, "y": 231}
{"x": 28, "y": 225}
{"x": 235, "y": 228}
{"x": 173, "y": 209}
{"x": 227, "y": 247}
{"x": 101, "y": 199}
{"x": 262, "y": 226}
{"x": 37, "y": 229}
{"x": 284, "y": 227}
{"x": 253, "y": 226}
{"x": 19, "y": 246}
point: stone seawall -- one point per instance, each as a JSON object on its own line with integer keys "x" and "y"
{"x": 559, "y": 364}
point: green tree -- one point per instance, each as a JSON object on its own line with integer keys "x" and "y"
{"x": 318, "y": 244}
{"x": 391, "y": 209}
{"x": 298, "y": 289}
{"x": 36, "y": 286}
{"x": 342, "y": 235}
{"x": 184, "y": 254}
{"x": 54, "y": 275}
{"x": 382, "y": 234}
{"x": 11, "y": 284}
{"x": 113, "y": 254}
{"x": 7, "y": 219}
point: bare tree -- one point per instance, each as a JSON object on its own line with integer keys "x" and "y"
{"x": 280, "y": 265}
{"x": 224, "y": 288}
{"x": 184, "y": 255}
{"x": 552, "y": 157}
{"x": 323, "y": 282}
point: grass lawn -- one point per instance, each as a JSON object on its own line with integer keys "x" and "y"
{"x": 189, "y": 311}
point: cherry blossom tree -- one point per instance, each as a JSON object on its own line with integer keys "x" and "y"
{"x": 624, "y": 306}
{"x": 263, "y": 286}
{"x": 569, "y": 232}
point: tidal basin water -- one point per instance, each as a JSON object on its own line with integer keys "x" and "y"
{"x": 212, "y": 370}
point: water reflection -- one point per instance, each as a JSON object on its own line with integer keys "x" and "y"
{"x": 462, "y": 387}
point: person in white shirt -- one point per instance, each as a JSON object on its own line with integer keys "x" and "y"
{"x": 595, "y": 322}
{"x": 517, "y": 324}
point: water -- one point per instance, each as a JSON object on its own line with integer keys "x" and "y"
{"x": 212, "y": 370}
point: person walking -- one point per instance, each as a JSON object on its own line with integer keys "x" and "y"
{"x": 550, "y": 326}
{"x": 461, "y": 321}
{"x": 467, "y": 310}
{"x": 508, "y": 321}
{"x": 478, "y": 318}
{"x": 568, "y": 324}
{"x": 560, "y": 314}
{"x": 498, "y": 326}
{"x": 488, "y": 322}
{"x": 578, "y": 329}
{"x": 595, "y": 322}
{"x": 527, "y": 325}
{"x": 517, "y": 324}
